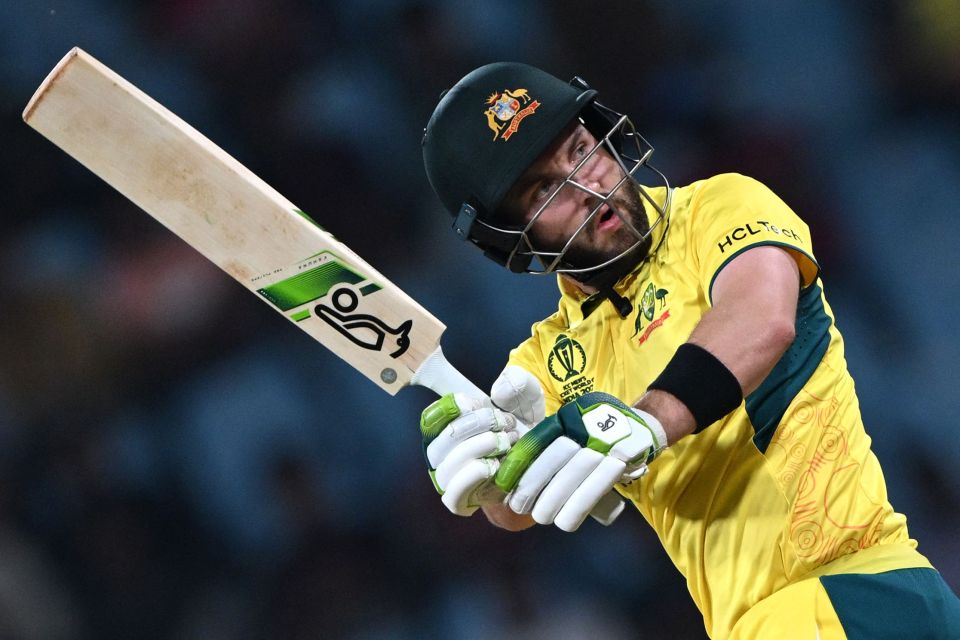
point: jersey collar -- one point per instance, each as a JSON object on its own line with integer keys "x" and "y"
{"x": 575, "y": 301}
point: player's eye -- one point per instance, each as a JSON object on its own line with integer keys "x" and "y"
{"x": 543, "y": 189}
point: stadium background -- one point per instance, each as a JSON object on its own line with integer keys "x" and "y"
{"x": 178, "y": 462}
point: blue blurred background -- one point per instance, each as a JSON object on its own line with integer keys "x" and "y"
{"x": 178, "y": 462}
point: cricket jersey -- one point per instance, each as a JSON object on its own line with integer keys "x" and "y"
{"x": 783, "y": 488}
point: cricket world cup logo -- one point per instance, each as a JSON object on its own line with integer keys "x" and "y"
{"x": 567, "y": 359}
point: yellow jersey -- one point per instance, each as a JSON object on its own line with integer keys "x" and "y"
{"x": 784, "y": 487}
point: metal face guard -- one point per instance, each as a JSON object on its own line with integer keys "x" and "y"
{"x": 636, "y": 156}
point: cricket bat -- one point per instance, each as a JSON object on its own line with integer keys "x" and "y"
{"x": 244, "y": 226}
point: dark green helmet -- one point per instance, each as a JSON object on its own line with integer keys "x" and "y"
{"x": 492, "y": 125}
{"x": 484, "y": 134}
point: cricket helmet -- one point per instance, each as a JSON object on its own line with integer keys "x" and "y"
{"x": 484, "y": 134}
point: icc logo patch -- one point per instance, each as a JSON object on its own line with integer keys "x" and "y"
{"x": 567, "y": 359}
{"x": 566, "y": 363}
{"x": 504, "y": 111}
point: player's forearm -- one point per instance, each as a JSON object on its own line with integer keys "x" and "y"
{"x": 748, "y": 344}
{"x": 751, "y": 325}
{"x": 676, "y": 419}
{"x": 752, "y": 322}
{"x": 748, "y": 340}
{"x": 750, "y": 364}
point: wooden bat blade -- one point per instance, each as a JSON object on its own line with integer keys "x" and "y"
{"x": 245, "y": 227}
{"x": 235, "y": 219}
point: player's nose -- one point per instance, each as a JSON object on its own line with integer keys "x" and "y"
{"x": 590, "y": 193}
{"x": 590, "y": 203}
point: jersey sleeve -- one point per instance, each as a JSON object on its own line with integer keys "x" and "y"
{"x": 529, "y": 356}
{"x": 734, "y": 213}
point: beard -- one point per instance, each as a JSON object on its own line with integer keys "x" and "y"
{"x": 625, "y": 242}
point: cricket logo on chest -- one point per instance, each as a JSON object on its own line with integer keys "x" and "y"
{"x": 566, "y": 363}
{"x": 652, "y": 302}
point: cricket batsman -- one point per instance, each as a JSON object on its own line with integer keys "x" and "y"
{"x": 693, "y": 365}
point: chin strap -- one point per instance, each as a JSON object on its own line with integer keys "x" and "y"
{"x": 604, "y": 280}
{"x": 623, "y": 306}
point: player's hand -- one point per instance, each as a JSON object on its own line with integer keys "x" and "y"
{"x": 518, "y": 392}
{"x": 560, "y": 469}
{"x": 464, "y": 435}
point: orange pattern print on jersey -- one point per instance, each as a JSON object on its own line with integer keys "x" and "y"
{"x": 820, "y": 530}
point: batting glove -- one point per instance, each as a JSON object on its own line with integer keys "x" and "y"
{"x": 562, "y": 468}
{"x": 464, "y": 436}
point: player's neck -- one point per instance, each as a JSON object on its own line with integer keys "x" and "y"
{"x": 586, "y": 289}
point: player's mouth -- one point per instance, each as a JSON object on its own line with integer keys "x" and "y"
{"x": 607, "y": 219}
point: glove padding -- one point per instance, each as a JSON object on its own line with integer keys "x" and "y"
{"x": 462, "y": 439}
{"x": 518, "y": 392}
{"x": 464, "y": 436}
{"x": 563, "y": 467}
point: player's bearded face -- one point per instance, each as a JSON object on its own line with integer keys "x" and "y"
{"x": 589, "y": 248}
{"x": 563, "y": 211}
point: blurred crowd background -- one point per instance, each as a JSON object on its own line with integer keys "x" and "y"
{"x": 176, "y": 461}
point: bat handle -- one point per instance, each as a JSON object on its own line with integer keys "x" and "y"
{"x": 437, "y": 374}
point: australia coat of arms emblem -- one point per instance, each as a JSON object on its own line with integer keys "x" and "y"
{"x": 506, "y": 109}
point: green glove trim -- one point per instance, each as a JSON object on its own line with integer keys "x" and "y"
{"x": 565, "y": 422}
{"x": 522, "y": 455}
{"x": 569, "y": 415}
{"x": 437, "y": 416}
{"x": 433, "y": 479}
{"x": 572, "y": 414}
{"x": 599, "y": 445}
{"x": 568, "y": 421}
{"x": 589, "y": 401}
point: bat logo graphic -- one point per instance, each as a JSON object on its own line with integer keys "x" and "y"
{"x": 362, "y": 329}
{"x": 609, "y": 423}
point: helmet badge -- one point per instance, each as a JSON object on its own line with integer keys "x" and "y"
{"x": 504, "y": 111}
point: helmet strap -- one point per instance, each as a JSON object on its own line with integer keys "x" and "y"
{"x": 604, "y": 280}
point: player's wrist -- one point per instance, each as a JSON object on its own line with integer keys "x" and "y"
{"x": 636, "y": 438}
{"x": 702, "y": 383}
{"x": 502, "y": 516}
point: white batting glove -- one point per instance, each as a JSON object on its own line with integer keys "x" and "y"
{"x": 462, "y": 439}
{"x": 518, "y": 392}
{"x": 562, "y": 468}
{"x": 464, "y": 436}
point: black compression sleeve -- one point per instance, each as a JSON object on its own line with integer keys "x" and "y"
{"x": 701, "y": 382}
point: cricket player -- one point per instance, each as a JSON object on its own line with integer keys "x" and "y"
{"x": 693, "y": 364}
